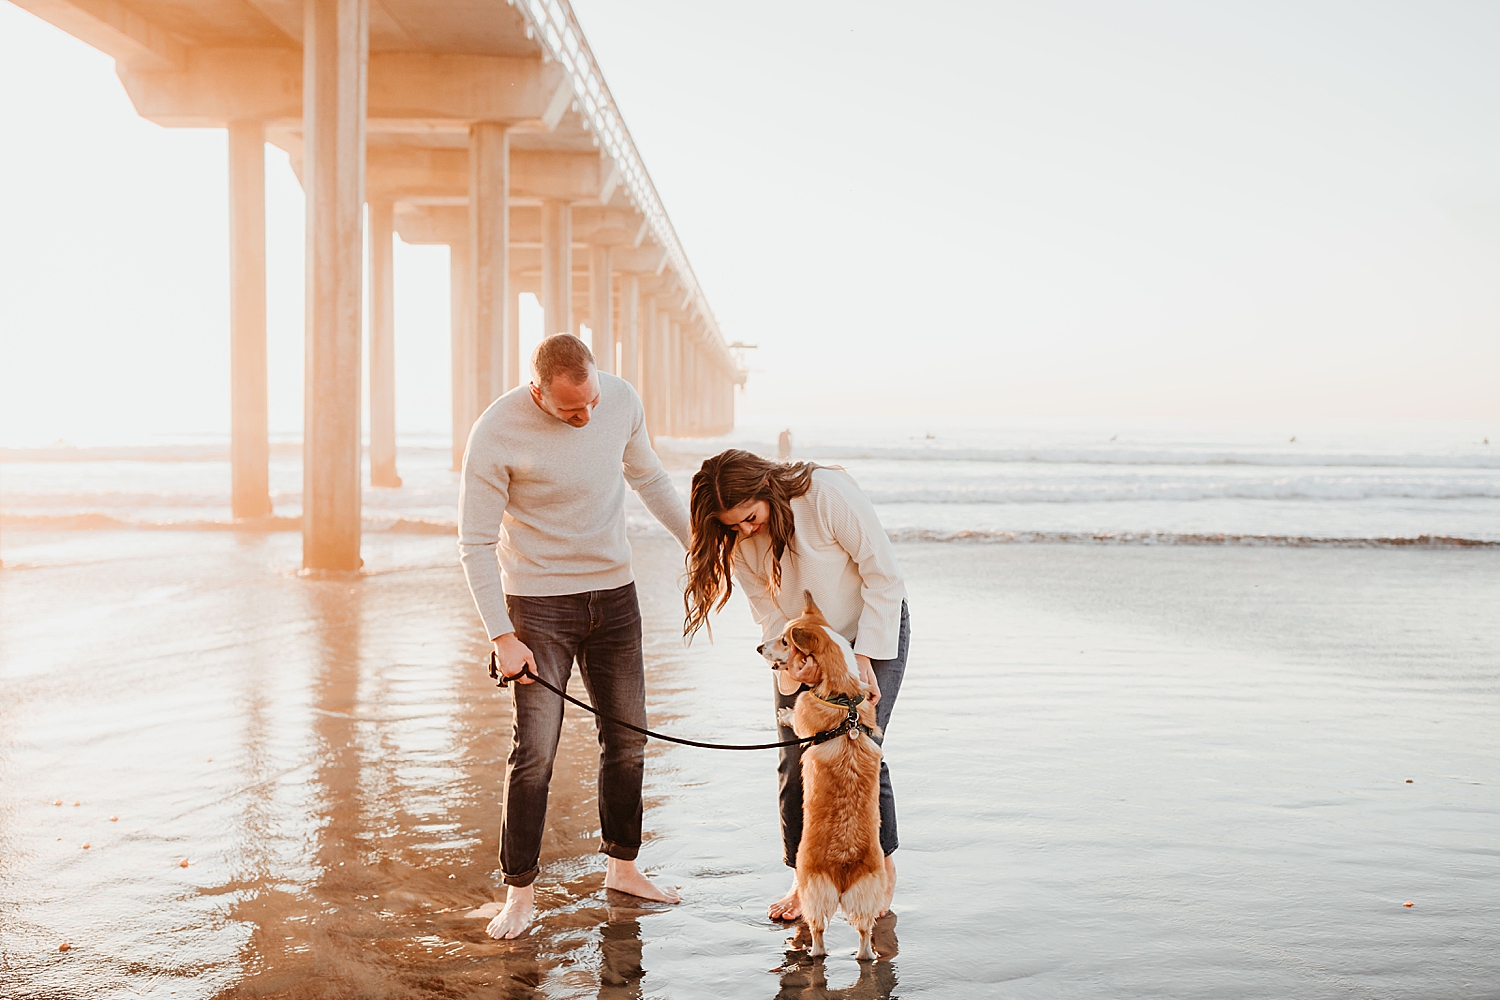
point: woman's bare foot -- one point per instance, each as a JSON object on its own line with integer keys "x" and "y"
{"x": 624, "y": 876}
{"x": 890, "y": 883}
{"x": 788, "y": 907}
{"x": 520, "y": 908}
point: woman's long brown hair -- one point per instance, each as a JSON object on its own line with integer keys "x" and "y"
{"x": 725, "y": 481}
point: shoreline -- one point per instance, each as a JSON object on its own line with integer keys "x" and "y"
{"x": 426, "y": 526}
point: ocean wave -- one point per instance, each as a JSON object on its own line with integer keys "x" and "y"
{"x": 421, "y": 526}
{"x": 212, "y": 451}
{"x": 1101, "y": 489}
{"x": 1187, "y": 538}
{"x": 96, "y": 521}
{"x": 1126, "y": 455}
{"x": 1117, "y": 492}
{"x": 104, "y": 499}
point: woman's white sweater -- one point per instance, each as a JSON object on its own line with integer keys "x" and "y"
{"x": 838, "y": 552}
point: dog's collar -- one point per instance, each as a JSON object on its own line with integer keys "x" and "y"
{"x": 841, "y": 700}
{"x": 850, "y": 725}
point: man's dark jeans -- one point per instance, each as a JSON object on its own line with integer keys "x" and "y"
{"x": 600, "y": 629}
{"x": 888, "y": 674}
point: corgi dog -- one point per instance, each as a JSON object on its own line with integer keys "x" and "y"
{"x": 839, "y": 861}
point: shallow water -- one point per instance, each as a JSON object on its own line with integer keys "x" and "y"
{"x": 1168, "y": 480}
{"x": 1120, "y": 771}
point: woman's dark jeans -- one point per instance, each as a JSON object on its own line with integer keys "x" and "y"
{"x": 601, "y": 629}
{"x": 888, "y": 674}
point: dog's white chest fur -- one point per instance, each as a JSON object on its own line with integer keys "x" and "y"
{"x": 850, "y": 663}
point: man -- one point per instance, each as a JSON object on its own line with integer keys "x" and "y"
{"x": 544, "y": 482}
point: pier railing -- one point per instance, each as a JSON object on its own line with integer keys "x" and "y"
{"x": 554, "y": 26}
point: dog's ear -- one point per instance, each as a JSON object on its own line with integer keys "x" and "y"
{"x": 812, "y": 605}
{"x": 802, "y": 638}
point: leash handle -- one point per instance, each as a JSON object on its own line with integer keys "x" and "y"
{"x": 850, "y": 724}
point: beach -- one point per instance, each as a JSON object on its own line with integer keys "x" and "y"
{"x": 1164, "y": 360}
{"x": 1121, "y": 770}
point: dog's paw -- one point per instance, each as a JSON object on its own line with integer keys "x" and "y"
{"x": 786, "y": 717}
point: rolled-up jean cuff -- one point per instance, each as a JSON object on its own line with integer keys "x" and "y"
{"x": 620, "y": 851}
{"x": 524, "y": 879}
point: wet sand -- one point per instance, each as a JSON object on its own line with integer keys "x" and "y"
{"x": 1120, "y": 771}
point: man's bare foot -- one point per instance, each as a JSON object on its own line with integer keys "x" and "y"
{"x": 788, "y": 907}
{"x": 624, "y": 876}
{"x": 890, "y": 884}
{"x": 520, "y": 908}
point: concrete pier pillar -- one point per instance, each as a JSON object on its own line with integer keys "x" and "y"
{"x": 630, "y": 316}
{"x": 700, "y": 389}
{"x": 656, "y": 384}
{"x": 711, "y": 396}
{"x": 693, "y": 380}
{"x": 249, "y": 448}
{"x": 489, "y": 240}
{"x": 514, "y": 367}
{"x": 685, "y": 380}
{"x": 647, "y": 348}
{"x": 602, "y": 309}
{"x": 462, "y": 349}
{"x": 677, "y": 376}
{"x": 557, "y": 268}
{"x": 648, "y": 336}
{"x": 667, "y": 392}
{"x": 685, "y": 414}
{"x": 693, "y": 383}
{"x": 335, "y": 47}
{"x": 382, "y": 345}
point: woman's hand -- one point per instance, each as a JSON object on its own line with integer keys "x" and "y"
{"x": 867, "y": 674}
{"x": 804, "y": 671}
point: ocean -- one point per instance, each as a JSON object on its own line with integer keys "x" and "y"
{"x": 1139, "y": 481}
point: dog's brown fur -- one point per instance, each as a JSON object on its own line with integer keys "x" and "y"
{"x": 839, "y": 861}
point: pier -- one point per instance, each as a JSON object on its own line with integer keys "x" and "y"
{"x": 483, "y": 126}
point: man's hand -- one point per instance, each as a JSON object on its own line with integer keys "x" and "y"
{"x": 867, "y": 674}
{"x": 513, "y": 655}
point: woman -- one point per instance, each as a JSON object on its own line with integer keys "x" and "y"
{"x": 780, "y": 529}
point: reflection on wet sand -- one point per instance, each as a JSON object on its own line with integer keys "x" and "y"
{"x": 803, "y": 976}
{"x": 398, "y": 830}
{"x": 326, "y": 755}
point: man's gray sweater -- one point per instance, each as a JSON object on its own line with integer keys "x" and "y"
{"x": 551, "y": 498}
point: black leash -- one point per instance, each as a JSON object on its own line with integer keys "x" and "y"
{"x": 850, "y": 724}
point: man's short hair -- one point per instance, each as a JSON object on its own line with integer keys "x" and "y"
{"x": 561, "y": 354}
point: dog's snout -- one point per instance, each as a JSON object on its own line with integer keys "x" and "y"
{"x": 761, "y": 649}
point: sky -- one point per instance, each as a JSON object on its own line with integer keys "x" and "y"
{"x": 1056, "y": 208}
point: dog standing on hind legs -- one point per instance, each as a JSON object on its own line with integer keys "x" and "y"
{"x": 840, "y": 865}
